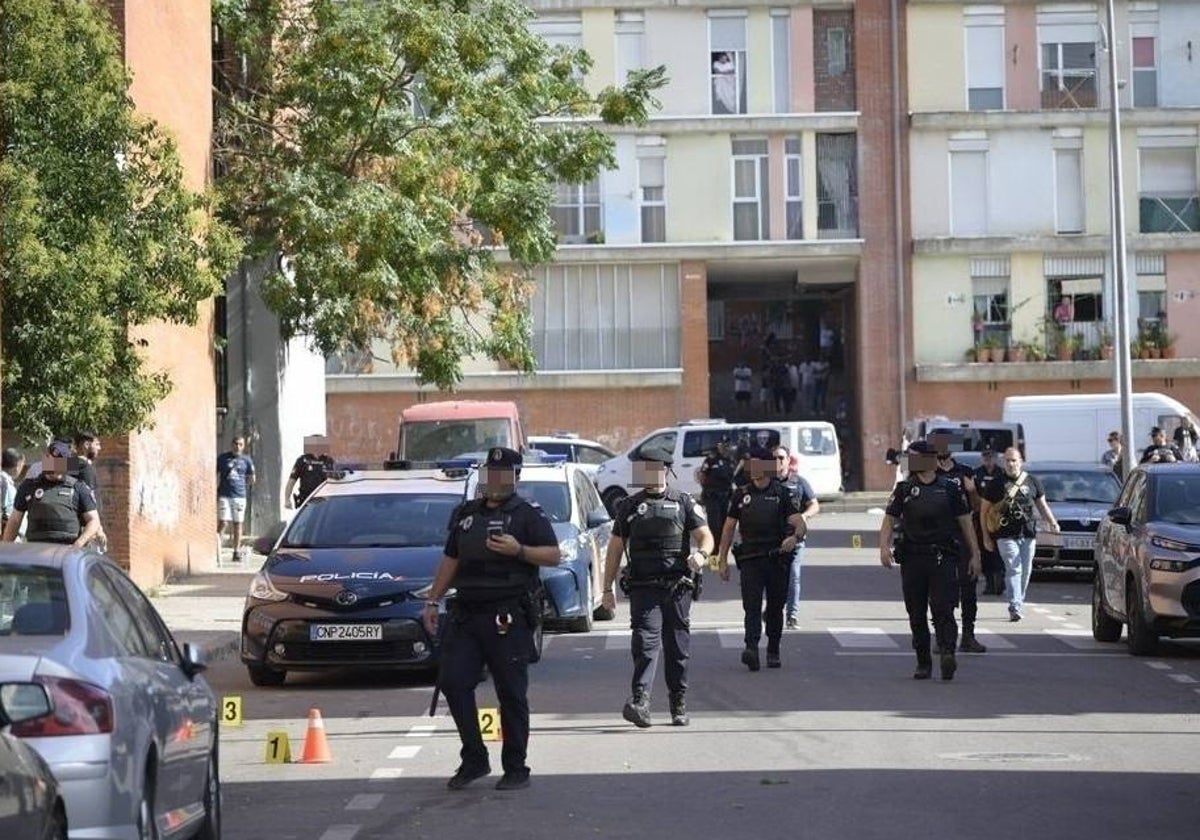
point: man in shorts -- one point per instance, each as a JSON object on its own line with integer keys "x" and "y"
{"x": 235, "y": 477}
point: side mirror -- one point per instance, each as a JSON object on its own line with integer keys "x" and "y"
{"x": 264, "y": 544}
{"x": 193, "y": 660}
{"x": 20, "y": 702}
{"x": 598, "y": 518}
{"x": 1121, "y": 516}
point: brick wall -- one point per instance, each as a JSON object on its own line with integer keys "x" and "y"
{"x": 834, "y": 93}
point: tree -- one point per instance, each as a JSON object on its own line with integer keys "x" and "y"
{"x": 385, "y": 145}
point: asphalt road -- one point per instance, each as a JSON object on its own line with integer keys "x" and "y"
{"x": 1049, "y": 734}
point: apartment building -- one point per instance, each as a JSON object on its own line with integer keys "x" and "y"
{"x": 1010, "y": 189}
{"x": 760, "y": 200}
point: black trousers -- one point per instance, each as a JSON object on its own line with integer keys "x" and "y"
{"x": 715, "y": 508}
{"x": 660, "y": 618}
{"x": 472, "y": 640}
{"x": 929, "y": 585}
{"x": 764, "y": 576}
{"x": 967, "y": 592}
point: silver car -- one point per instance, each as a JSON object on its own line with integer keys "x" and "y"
{"x": 132, "y": 738}
{"x": 31, "y": 803}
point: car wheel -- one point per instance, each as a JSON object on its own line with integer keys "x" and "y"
{"x": 583, "y": 624}
{"x": 266, "y": 677}
{"x": 211, "y": 829}
{"x": 147, "y": 828}
{"x": 611, "y": 498}
{"x": 1105, "y": 628}
{"x": 1142, "y": 639}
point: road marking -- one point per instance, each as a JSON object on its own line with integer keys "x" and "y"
{"x": 1027, "y": 653}
{"x": 617, "y": 639}
{"x": 364, "y": 802}
{"x": 993, "y": 640}
{"x": 340, "y": 832}
{"x": 862, "y": 637}
{"x": 383, "y": 774}
{"x": 424, "y": 730}
{"x": 732, "y": 639}
{"x": 1078, "y": 639}
{"x": 1074, "y": 627}
{"x": 1158, "y": 666}
{"x": 1041, "y": 610}
{"x": 1054, "y": 617}
{"x": 1183, "y": 678}
{"x": 404, "y": 752}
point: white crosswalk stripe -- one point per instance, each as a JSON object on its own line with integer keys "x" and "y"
{"x": 733, "y": 639}
{"x": 993, "y": 641}
{"x": 617, "y": 639}
{"x": 1078, "y": 639}
{"x": 863, "y": 637}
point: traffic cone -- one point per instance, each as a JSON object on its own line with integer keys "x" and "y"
{"x": 316, "y": 746}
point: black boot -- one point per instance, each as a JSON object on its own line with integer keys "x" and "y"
{"x": 750, "y": 658}
{"x": 970, "y": 644}
{"x": 679, "y": 715}
{"x": 924, "y": 666}
{"x": 637, "y": 710}
{"x": 948, "y": 664}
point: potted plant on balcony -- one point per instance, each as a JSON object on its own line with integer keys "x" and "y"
{"x": 1075, "y": 345}
{"x": 991, "y": 350}
{"x": 1107, "y": 350}
{"x": 971, "y": 354}
{"x": 1166, "y": 344}
{"x": 1018, "y": 351}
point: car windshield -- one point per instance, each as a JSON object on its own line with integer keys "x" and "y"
{"x": 815, "y": 441}
{"x": 553, "y": 496}
{"x": 1079, "y": 486}
{"x": 388, "y": 520}
{"x": 33, "y": 601}
{"x": 1177, "y": 499}
{"x": 435, "y": 440}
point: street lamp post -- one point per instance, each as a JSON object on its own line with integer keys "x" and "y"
{"x": 1120, "y": 252}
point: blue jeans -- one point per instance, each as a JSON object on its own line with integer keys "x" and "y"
{"x": 793, "y": 592}
{"x": 1017, "y": 555}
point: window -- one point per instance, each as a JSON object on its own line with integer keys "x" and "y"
{"x": 781, "y": 60}
{"x": 968, "y": 193}
{"x": 652, "y": 189}
{"x": 751, "y": 190}
{"x": 1069, "y": 75}
{"x": 384, "y": 520}
{"x": 1169, "y": 197}
{"x": 159, "y": 641}
{"x": 727, "y": 63}
{"x": 631, "y": 37}
{"x": 985, "y": 62}
{"x": 836, "y": 51}
{"x": 33, "y": 601}
{"x": 716, "y": 320}
{"x": 663, "y": 441}
{"x": 115, "y": 616}
{"x": 577, "y": 213}
{"x": 1068, "y": 193}
{"x": 1145, "y": 72}
{"x": 990, "y": 298}
{"x": 837, "y": 186}
{"x": 793, "y": 166}
{"x": 606, "y": 317}
{"x": 1075, "y": 300}
{"x": 1151, "y": 271}
{"x": 561, "y": 30}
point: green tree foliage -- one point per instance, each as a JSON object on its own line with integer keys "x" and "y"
{"x": 97, "y": 232}
{"x": 384, "y": 145}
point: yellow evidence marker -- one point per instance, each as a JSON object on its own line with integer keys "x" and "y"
{"x": 856, "y": 540}
{"x": 231, "y": 710}
{"x": 489, "y": 724}
{"x": 279, "y": 749}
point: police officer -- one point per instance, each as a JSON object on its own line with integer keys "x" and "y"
{"x": 715, "y": 477}
{"x": 928, "y": 510}
{"x": 657, "y": 525}
{"x": 61, "y": 509}
{"x": 968, "y": 595}
{"x": 492, "y": 556}
{"x": 310, "y": 471}
{"x": 986, "y": 475}
{"x": 763, "y": 511}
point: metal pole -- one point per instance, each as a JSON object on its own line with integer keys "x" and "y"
{"x": 1120, "y": 254}
{"x": 898, "y": 209}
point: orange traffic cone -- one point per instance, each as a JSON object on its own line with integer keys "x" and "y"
{"x": 316, "y": 747}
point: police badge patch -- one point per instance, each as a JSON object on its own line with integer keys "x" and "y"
{"x": 642, "y": 508}
{"x": 746, "y": 500}
{"x": 466, "y": 523}
{"x": 38, "y": 493}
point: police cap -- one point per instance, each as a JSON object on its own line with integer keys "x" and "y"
{"x": 502, "y": 456}
{"x": 655, "y": 455}
{"x": 921, "y": 447}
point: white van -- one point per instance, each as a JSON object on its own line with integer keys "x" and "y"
{"x": 814, "y": 446}
{"x": 1075, "y": 427}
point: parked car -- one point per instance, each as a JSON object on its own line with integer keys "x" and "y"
{"x": 132, "y": 738}
{"x": 1080, "y": 496}
{"x": 583, "y": 527}
{"x": 344, "y": 584}
{"x": 1148, "y": 558}
{"x": 588, "y": 454}
{"x": 31, "y": 801}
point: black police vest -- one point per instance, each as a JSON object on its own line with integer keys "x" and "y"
{"x": 718, "y": 478}
{"x": 658, "y": 540}
{"x": 929, "y": 511}
{"x": 312, "y": 475}
{"x": 484, "y": 575}
{"x": 763, "y": 518}
{"x": 51, "y": 512}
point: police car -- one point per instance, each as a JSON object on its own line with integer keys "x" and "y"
{"x": 344, "y": 584}
{"x": 583, "y": 527}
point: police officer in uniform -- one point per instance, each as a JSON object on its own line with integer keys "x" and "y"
{"x": 987, "y": 474}
{"x": 928, "y": 510}
{"x": 492, "y": 555}
{"x": 657, "y": 525}
{"x": 715, "y": 477}
{"x": 763, "y": 511}
{"x": 61, "y": 509}
{"x": 310, "y": 471}
{"x": 968, "y": 594}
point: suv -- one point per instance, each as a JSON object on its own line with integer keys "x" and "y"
{"x": 1148, "y": 559}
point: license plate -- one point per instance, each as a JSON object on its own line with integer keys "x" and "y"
{"x": 345, "y": 632}
{"x": 1083, "y": 543}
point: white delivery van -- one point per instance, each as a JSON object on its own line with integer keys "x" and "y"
{"x": 814, "y": 446}
{"x": 1075, "y": 427}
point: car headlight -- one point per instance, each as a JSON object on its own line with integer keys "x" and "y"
{"x": 262, "y": 589}
{"x": 1162, "y": 564}
{"x": 1169, "y": 544}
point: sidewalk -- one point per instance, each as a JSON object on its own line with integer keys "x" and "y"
{"x": 206, "y": 609}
